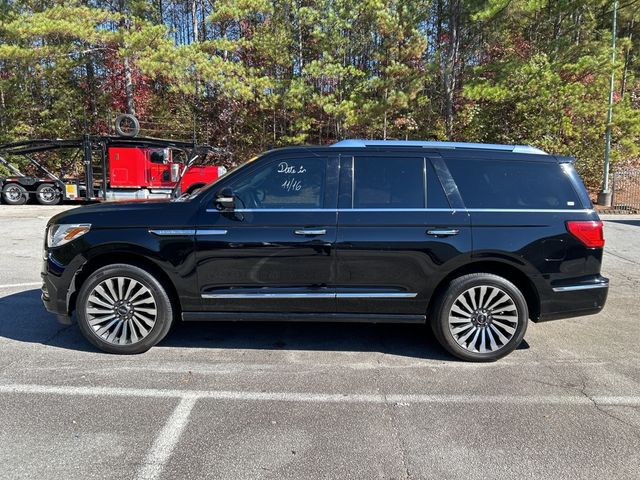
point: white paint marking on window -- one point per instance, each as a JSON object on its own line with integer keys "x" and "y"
{"x": 574, "y": 399}
{"x": 166, "y": 440}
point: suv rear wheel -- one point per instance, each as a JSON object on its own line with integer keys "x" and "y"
{"x": 123, "y": 309}
{"x": 481, "y": 317}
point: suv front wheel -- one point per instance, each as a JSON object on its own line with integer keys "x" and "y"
{"x": 481, "y": 317}
{"x": 123, "y": 309}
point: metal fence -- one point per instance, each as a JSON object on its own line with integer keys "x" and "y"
{"x": 626, "y": 189}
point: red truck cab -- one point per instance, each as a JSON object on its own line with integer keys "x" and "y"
{"x": 156, "y": 168}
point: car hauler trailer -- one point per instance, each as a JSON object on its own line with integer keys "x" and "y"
{"x": 112, "y": 168}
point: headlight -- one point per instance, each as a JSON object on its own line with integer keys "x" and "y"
{"x": 60, "y": 234}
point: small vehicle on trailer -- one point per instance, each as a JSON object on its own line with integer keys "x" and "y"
{"x": 111, "y": 168}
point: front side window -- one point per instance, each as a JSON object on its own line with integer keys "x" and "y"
{"x": 291, "y": 183}
{"x": 159, "y": 156}
{"x": 381, "y": 182}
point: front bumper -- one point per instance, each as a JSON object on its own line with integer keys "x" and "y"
{"x": 574, "y": 300}
{"x": 58, "y": 286}
{"x": 53, "y": 301}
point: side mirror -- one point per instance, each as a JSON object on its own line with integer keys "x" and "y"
{"x": 225, "y": 199}
{"x": 175, "y": 172}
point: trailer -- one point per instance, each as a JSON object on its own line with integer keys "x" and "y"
{"x": 111, "y": 168}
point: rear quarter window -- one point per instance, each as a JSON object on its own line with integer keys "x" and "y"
{"x": 513, "y": 184}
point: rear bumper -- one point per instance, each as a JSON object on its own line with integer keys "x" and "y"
{"x": 575, "y": 300}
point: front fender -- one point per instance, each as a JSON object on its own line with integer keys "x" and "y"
{"x": 173, "y": 255}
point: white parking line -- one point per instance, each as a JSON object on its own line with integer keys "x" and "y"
{"x": 17, "y": 285}
{"x": 569, "y": 399}
{"x": 166, "y": 440}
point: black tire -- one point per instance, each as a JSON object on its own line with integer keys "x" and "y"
{"x": 492, "y": 332}
{"x": 14, "y": 194}
{"x": 48, "y": 194}
{"x": 131, "y": 274}
{"x": 135, "y": 129}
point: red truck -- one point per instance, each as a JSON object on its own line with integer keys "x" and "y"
{"x": 112, "y": 168}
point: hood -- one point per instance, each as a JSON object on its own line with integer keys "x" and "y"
{"x": 145, "y": 213}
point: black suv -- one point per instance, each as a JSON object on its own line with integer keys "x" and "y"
{"x": 474, "y": 239}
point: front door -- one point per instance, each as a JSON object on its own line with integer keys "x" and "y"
{"x": 159, "y": 168}
{"x": 275, "y": 251}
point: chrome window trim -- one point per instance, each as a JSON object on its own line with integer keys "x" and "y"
{"x": 575, "y": 288}
{"x": 311, "y": 295}
{"x": 353, "y": 181}
{"x": 211, "y": 231}
{"x": 274, "y": 210}
{"x": 398, "y": 210}
{"x": 344, "y": 210}
{"x": 425, "y": 182}
{"x": 531, "y": 210}
{"x": 173, "y": 232}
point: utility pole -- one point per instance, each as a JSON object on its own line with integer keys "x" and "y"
{"x": 604, "y": 197}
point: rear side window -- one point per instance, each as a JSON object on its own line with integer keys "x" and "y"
{"x": 381, "y": 182}
{"x": 513, "y": 184}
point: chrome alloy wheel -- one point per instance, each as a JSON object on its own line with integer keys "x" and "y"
{"x": 48, "y": 194}
{"x": 13, "y": 193}
{"x": 483, "y": 319}
{"x": 121, "y": 310}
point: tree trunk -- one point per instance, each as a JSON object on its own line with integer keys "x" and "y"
{"x": 128, "y": 87}
{"x": 384, "y": 126}
{"x": 300, "y": 43}
{"x": 91, "y": 87}
{"x": 3, "y": 107}
{"x": 128, "y": 82}
{"x": 203, "y": 21}
{"x": 194, "y": 19}
{"x": 627, "y": 59}
{"x": 450, "y": 67}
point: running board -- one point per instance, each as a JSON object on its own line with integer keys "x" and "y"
{"x": 300, "y": 317}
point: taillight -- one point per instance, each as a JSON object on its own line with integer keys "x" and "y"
{"x": 590, "y": 233}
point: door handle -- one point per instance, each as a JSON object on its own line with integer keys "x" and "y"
{"x": 313, "y": 231}
{"x": 443, "y": 232}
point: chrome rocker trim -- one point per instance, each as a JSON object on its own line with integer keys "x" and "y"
{"x": 311, "y": 295}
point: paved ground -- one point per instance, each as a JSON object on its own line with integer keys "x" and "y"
{"x": 316, "y": 401}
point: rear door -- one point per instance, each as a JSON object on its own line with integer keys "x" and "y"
{"x": 397, "y": 233}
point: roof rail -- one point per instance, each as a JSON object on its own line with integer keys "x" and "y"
{"x": 354, "y": 143}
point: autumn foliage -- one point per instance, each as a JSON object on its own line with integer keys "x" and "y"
{"x": 249, "y": 75}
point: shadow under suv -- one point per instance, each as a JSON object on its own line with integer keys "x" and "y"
{"x": 474, "y": 239}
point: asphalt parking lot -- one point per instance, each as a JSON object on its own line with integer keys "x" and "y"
{"x": 232, "y": 401}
